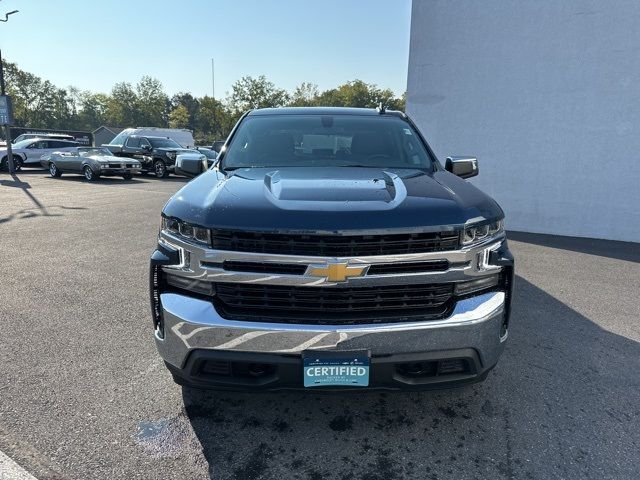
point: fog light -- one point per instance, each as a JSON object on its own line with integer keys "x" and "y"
{"x": 472, "y": 286}
{"x": 450, "y": 366}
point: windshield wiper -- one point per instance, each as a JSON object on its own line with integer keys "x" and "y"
{"x": 228, "y": 169}
{"x": 357, "y": 165}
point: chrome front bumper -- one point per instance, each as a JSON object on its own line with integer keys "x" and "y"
{"x": 193, "y": 324}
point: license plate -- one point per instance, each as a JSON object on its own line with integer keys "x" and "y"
{"x": 325, "y": 369}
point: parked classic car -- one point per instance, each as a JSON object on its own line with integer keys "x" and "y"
{"x": 92, "y": 162}
{"x": 28, "y": 152}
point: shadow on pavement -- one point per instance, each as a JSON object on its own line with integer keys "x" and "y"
{"x": 79, "y": 178}
{"x": 28, "y": 171}
{"x": 562, "y": 403}
{"x": 38, "y": 210}
{"x": 114, "y": 180}
{"x": 629, "y": 251}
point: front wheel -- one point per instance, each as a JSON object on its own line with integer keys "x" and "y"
{"x": 17, "y": 163}
{"x": 160, "y": 169}
{"x": 127, "y": 175}
{"x": 89, "y": 174}
{"x": 53, "y": 171}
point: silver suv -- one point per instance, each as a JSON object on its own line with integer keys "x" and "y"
{"x": 28, "y": 152}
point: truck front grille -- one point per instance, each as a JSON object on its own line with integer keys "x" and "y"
{"x": 327, "y": 305}
{"x": 334, "y": 245}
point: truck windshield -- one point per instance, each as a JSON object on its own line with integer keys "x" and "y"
{"x": 163, "y": 143}
{"x": 326, "y": 141}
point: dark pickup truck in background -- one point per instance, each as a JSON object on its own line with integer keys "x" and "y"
{"x": 328, "y": 248}
{"x": 156, "y": 154}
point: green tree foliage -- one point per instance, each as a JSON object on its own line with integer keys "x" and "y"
{"x": 359, "y": 94}
{"x": 93, "y": 111}
{"x": 213, "y": 121}
{"x": 190, "y": 103}
{"x": 305, "y": 95}
{"x": 249, "y": 92}
{"x": 152, "y": 104}
{"x": 36, "y": 102}
{"x": 122, "y": 105}
{"x": 40, "y": 104}
{"x": 179, "y": 117}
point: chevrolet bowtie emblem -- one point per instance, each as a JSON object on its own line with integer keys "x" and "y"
{"x": 337, "y": 271}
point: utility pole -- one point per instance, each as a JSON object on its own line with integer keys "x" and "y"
{"x": 213, "y": 81}
{"x": 7, "y": 127}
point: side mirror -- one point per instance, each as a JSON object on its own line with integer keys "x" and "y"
{"x": 191, "y": 165}
{"x": 146, "y": 148}
{"x": 463, "y": 167}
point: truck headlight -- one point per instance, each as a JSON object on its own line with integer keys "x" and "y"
{"x": 185, "y": 230}
{"x": 479, "y": 233}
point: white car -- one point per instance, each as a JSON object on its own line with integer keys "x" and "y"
{"x": 44, "y": 136}
{"x": 28, "y": 152}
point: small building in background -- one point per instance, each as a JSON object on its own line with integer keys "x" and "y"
{"x": 103, "y": 134}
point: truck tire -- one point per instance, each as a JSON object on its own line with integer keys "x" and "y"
{"x": 160, "y": 169}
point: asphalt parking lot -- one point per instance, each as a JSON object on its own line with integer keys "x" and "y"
{"x": 83, "y": 393}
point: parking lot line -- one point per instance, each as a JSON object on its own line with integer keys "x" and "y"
{"x": 10, "y": 470}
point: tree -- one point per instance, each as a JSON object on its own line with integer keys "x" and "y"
{"x": 50, "y": 108}
{"x": 305, "y": 95}
{"x": 122, "y": 106}
{"x": 151, "y": 102}
{"x": 249, "y": 92}
{"x": 93, "y": 111}
{"x": 179, "y": 117}
{"x": 189, "y": 102}
{"x": 213, "y": 121}
{"x": 357, "y": 93}
{"x": 398, "y": 103}
{"x": 37, "y": 103}
{"x": 40, "y": 104}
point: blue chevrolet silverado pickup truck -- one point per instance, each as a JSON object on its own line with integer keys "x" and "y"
{"x": 329, "y": 249}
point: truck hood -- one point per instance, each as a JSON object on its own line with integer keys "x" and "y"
{"x": 310, "y": 199}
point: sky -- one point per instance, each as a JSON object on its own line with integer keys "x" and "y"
{"x": 93, "y": 44}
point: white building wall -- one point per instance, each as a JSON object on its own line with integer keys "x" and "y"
{"x": 547, "y": 95}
